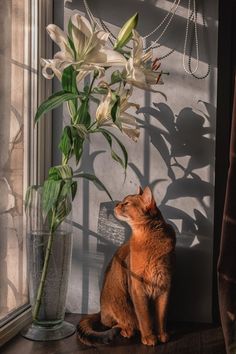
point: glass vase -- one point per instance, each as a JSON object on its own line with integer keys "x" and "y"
{"x": 48, "y": 265}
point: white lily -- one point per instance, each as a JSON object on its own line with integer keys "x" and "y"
{"x": 139, "y": 71}
{"x": 103, "y": 113}
{"x": 89, "y": 53}
{"x": 126, "y": 120}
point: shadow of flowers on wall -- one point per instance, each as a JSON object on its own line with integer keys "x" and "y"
{"x": 185, "y": 145}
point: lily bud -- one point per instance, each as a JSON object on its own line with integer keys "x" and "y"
{"x": 125, "y": 33}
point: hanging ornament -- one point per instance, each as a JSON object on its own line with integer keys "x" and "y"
{"x": 163, "y": 26}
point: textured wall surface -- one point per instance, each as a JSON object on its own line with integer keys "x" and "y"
{"x": 174, "y": 155}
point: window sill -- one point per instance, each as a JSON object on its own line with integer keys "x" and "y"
{"x": 13, "y": 327}
{"x": 199, "y": 338}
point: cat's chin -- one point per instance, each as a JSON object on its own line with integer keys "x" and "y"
{"x": 122, "y": 218}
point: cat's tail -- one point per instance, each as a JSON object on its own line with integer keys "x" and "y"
{"x": 90, "y": 336}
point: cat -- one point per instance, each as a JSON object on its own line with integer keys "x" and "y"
{"x": 137, "y": 278}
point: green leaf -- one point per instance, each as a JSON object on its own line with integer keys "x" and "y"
{"x": 78, "y": 134}
{"x": 72, "y": 106}
{"x": 69, "y": 85}
{"x": 95, "y": 180}
{"x": 116, "y": 77}
{"x": 52, "y": 102}
{"x": 66, "y": 142}
{"x": 115, "y": 113}
{"x": 114, "y": 155}
{"x": 62, "y": 211}
{"x": 60, "y": 172}
{"x": 64, "y": 203}
{"x": 70, "y": 25}
{"x": 69, "y": 190}
{"x": 73, "y": 189}
{"x": 122, "y": 147}
{"x": 68, "y": 80}
{"x": 108, "y": 136}
{"x": 82, "y": 131}
{"x": 28, "y": 196}
{"x": 65, "y": 191}
{"x": 78, "y": 147}
{"x": 83, "y": 114}
{"x": 117, "y": 158}
{"x": 100, "y": 90}
{"x": 51, "y": 191}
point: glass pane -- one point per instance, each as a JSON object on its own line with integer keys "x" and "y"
{"x": 14, "y": 73}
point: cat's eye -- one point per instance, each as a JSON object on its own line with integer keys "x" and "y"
{"x": 126, "y": 203}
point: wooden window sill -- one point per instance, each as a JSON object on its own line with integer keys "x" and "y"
{"x": 185, "y": 339}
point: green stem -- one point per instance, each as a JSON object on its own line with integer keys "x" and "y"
{"x": 44, "y": 272}
{"x": 91, "y": 85}
{"x": 92, "y": 125}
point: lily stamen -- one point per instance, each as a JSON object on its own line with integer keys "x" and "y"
{"x": 156, "y": 64}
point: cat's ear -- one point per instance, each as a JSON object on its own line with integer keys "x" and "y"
{"x": 139, "y": 191}
{"x": 149, "y": 200}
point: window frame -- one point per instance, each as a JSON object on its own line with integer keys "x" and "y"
{"x": 37, "y": 139}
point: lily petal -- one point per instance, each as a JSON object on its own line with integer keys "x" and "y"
{"x": 58, "y": 36}
{"x": 87, "y": 69}
{"x": 137, "y": 47}
{"x": 147, "y": 56}
{"x": 129, "y": 126}
{"x": 82, "y": 24}
{"x": 106, "y": 57}
{"x": 79, "y": 40}
{"x": 104, "y": 108}
{"x": 134, "y": 73}
{"x": 55, "y": 65}
{"x": 102, "y": 36}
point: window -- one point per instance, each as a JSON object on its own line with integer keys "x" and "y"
{"x": 22, "y": 42}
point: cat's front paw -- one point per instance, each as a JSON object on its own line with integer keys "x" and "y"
{"x": 163, "y": 337}
{"x": 127, "y": 332}
{"x": 149, "y": 340}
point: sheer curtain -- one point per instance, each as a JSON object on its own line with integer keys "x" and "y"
{"x": 14, "y": 90}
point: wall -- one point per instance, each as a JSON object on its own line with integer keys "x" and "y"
{"x": 174, "y": 155}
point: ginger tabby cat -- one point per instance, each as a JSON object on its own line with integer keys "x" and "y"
{"x": 137, "y": 278}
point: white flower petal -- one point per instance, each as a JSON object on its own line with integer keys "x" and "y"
{"x": 63, "y": 56}
{"x": 129, "y": 126}
{"x": 58, "y": 36}
{"x": 87, "y": 69}
{"x": 82, "y": 24}
{"x": 91, "y": 53}
{"x": 131, "y": 104}
{"x": 81, "y": 75}
{"x": 102, "y": 36}
{"x": 134, "y": 73}
{"x": 147, "y": 56}
{"x": 56, "y": 67}
{"x": 137, "y": 51}
{"x": 106, "y": 57}
{"x": 104, "y": 108}
{"x": 80, "y": 41}
{"x": 50, "y": 65}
